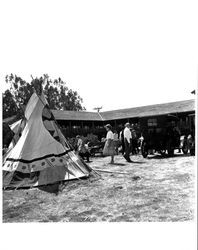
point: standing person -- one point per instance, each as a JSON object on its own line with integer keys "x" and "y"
{"x": 115, "y": 135}
{"x": 134, "y": 142}
{"x": 127, "y": 142}
{"x": 121, "y": 138}
{"x": 177, "y": 134}
{"x": 116, "y": 141}
{"x": 109, "y": 148}
{"x": 81, "y": 148}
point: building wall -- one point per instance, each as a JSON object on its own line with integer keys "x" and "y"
{"x": 73, "y": 128}
{"x": 186, "y": 124}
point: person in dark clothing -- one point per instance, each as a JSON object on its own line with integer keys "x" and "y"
{"x": 134, "y": 142}
{"x": 177, "y": 135}
{"x": 81, "y": 149}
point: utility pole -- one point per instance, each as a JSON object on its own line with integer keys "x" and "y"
{"x": 98, "y": 109}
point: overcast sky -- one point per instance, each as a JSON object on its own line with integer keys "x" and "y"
{"x": 116, "y": 54}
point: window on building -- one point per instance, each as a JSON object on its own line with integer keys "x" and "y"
{"x": 152, "y": 122}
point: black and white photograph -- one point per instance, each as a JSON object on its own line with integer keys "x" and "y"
{"x": 99, "y": 124}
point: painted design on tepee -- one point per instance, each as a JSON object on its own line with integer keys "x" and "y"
{"x": 51, "y": 126}
{"x": 41, "y": 154}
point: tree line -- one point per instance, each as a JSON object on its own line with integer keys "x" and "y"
{"x": 56, "y": 91}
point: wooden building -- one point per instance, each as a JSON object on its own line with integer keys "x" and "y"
{"x": 146, "y": 117}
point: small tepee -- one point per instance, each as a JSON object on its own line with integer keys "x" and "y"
{"x": 39, "y": 153}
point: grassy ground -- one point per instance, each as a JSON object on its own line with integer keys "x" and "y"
{"x": 154, "y": 189}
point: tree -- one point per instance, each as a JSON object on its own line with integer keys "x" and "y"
{"x": 58, "y": 95}
{"x": 9, "y": 105}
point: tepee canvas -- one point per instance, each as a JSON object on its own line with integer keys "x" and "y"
{"x": 39, "y": 153}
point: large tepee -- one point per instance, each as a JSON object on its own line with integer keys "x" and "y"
{"x": 39, "y": 153}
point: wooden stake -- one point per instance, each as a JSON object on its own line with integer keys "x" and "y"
{"x": 110, "y": 172}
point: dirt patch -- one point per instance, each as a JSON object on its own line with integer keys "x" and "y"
{"x": 154, "y": 189}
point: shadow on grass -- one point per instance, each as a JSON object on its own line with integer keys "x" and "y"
{"x": 118, "y": 164}
{"x": 150, "y": 157}
{"x": 138, "y": 162}
{"x": 52, "y": 189}
{"x": 58, "y": 187}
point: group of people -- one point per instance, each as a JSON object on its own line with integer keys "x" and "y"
{"x": 110, "y": 147}
{"x": 126, "y": 142}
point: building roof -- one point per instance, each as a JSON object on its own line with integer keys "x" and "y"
{"x": 137, "y": 112}
{"x": 76, "y": 115}
{"x": 151, "y": 110}
{"x": 144, "y": 111}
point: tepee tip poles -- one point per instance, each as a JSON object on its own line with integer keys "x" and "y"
{"x": 38, "y": 84}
